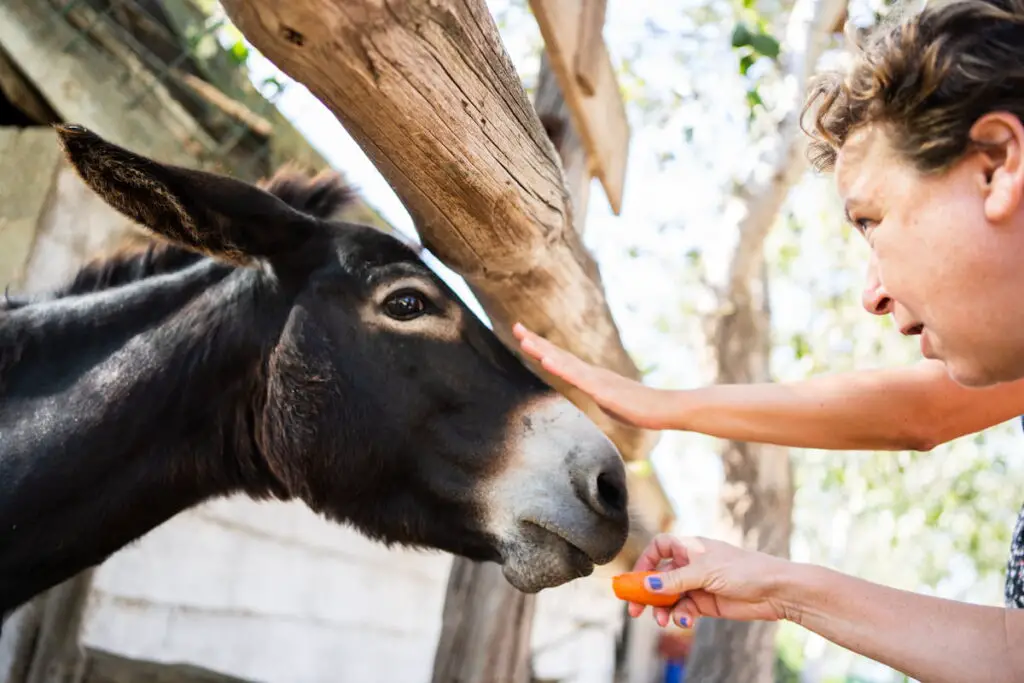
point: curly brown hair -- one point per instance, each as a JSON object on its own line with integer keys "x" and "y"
{"x": 925, "y": 79}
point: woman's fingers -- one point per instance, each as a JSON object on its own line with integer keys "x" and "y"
{"x": 685, "y": 613}
{"x": 686, "y": 576}
{"x": 663, "y": 547}
{"x": 536, "y": 345}
{"x": 662, "y": 615}
{"x": 555, "y": 360}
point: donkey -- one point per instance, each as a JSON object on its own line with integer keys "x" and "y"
{"x": 268, "y": 349}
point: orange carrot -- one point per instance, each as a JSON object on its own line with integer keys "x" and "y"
{"x": 630, "y": 587}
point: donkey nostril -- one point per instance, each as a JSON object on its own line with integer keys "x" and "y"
{"x": 611, "y": 493}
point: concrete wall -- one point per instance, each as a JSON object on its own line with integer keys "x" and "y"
{"x": 50, "y": 222}
{"x": 272, "y": 592}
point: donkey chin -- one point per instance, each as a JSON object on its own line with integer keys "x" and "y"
{"x": 561, "y": 505}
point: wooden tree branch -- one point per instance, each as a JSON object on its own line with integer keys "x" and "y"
{"x": 600, "y": 117}
{"x": 428, "y": 92}
{"x": 232, "y": 108}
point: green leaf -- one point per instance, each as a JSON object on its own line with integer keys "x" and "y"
{"x": 801, "y": 347}
{"x": 765, "y": 44}
{"x": 746, "y": 61}
{"x": 741, "y": 35}
{"x": 754, "y": 98}
{"x": 239, "y": 52}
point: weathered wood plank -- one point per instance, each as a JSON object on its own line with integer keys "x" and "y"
{"x": 600, "y": 118}
{"x": 554, "y": 114}
{"x": 22, "y": 94}
{"x": 587, "y": 60}
{"x": 427, "y": 90}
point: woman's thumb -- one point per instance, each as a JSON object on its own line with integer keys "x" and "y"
{"x": 679, "y": 580}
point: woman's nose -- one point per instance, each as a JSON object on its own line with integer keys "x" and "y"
{"x": 877, "y": 301}
{"x": 875, "y": 298}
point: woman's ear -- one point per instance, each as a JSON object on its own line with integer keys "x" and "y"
{"x": 211, "y": 214}
{"x": 999, "y": 137}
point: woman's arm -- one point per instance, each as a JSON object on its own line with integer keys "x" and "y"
{"x": 931, "y": 639}
{"x": 912, "y": 408}
{"x": 927, "y": 638}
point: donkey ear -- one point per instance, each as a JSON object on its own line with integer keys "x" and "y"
{"x": 211, "y": 214}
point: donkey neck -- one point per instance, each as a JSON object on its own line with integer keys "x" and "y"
{"x": 123, "y": 408}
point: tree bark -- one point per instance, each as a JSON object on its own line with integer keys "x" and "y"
{"x": 486, "y": 625}
{"x": 428, "y": 92}
{"x": 757, "y": 494}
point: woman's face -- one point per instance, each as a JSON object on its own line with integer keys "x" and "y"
{"x": 947, "y": 250}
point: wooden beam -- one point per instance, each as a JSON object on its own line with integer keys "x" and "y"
{"x": 587, "y": 61}
{"x": 601, "y": 118}
{"x": 554, "y": 115}
{"x": 233, "y": 108}
{"x": 22, "y": 94}
{"x": 428, "y": 92}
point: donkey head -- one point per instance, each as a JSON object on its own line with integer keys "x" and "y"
{"x": 387, "y": 404}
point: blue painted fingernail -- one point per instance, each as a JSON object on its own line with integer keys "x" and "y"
{"x": 684, "y": 622}
{"x": 654, "y": 583}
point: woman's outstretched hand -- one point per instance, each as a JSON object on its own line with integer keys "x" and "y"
{"x": 718, "y": 579}
{"x": 624, "y": 399}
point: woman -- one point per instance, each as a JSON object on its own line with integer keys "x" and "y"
{"x": 924, "y": 132}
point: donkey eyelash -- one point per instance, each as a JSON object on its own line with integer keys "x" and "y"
{"x": 417, "y": 287}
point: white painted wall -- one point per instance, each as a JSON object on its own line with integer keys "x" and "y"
{"x": 272, "y": 592}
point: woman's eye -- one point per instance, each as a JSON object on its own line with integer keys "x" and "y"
{"x": 865, "y": 224}
{"x": 405, "y": 305}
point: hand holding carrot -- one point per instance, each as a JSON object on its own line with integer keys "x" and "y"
{"x": 713, "y": 578}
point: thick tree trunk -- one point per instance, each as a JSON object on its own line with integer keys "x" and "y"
{"x": 757, "y": 494}
{"x": 427, "y": 90}
{"x": 486, "y": 625}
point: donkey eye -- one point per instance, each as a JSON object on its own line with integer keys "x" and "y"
{"x": 405, "y": 305}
